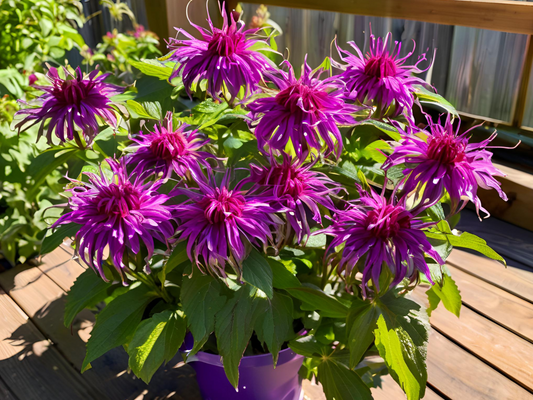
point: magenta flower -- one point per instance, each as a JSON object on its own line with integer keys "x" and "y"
{"x": 380, "y": 231}
{"x": 296, "y": 189}
{"x": 305, "y": 111}
{"x": 75, "y": 101}
{"x": 223, "y": 57}
{"x": 444, "y": 159}
{"x": 167, "y": 149}
{"x": 380, "y": 78}
{"x": 32, "y": 79}
{"x": 117, "y": 213}
{"x": 219, "y": 224}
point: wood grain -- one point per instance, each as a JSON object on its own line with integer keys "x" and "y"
{"x": 30, "y": 366}
{"x": 5, "y": 392}
{"x": 459, "y": 375}
{"x": 505, "y": 16}
{"x": 513, "y": 280}
{"x": 61, "y": 268}
{"x": 510, "y": 311}
{"x": 488, "y": 341}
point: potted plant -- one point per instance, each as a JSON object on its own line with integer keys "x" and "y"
{"x": 268, "y": 225}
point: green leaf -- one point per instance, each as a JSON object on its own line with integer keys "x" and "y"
{"x": 257, "y": 272}
{"x": 310, "y": 347}
{"x": 54, "y": 240}
{"x": 282, "y": 278}
{"x": 361, "y": 330}
{"x": 448, "y": 292}
{"x": 88, "y": 290}
{"x": 341, "y": 383}
{"x": 152, "y": 68}
{"x": 390, "y": 130}
{"x": 316, "y": 299}
{"x": 138, "y": 111}
{"x": 201, "y": 300}
{"x": 274, "y": 323}
{"x": 233, "y": 329}
{"x": 401, "y": 339}
{"x": 155, "y": 342}
{"x": 468, "y": 241}
{"x": 427, "y": 97}
{"x": 116, "y": 323}
{"x": 178, "y": 256}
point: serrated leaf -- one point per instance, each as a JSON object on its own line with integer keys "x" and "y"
{"x": 308, "y": 346}
{"x": 282, "y": 278}
{"x": 316, "y": 299}
{"x": 274, "y": 323}
{"x": 233, "y": 328}
{"x": 54, "y": 240}
{"x": 88, "y": 290}
{"x": 137, "y": 110}
{"x": 116, "y": 322}
{"x": 201, "y": 300}
{"x": 257, "y": 272}
{"x": 401, "y": 339}
{"x": 341, "y": 383}
{"x": 152, "y": 68}
{"x": 448, "y": 292}
{"x": 155, "y": 342}
{"x": 361, "y": 331}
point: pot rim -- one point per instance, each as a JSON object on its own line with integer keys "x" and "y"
{"x": 259, "y": 360}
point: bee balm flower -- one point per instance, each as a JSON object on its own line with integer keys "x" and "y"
{"x": 72, "y": 103}
{"x": 218, "y": 223}
{"x": 222, "y": 56}
{"x": 384, "y": 234}
{"x": 444, "y": 159}
{"x": 305, "y": 111}
{"x": 380, "y": 78}
{"x": 117, "y": 213}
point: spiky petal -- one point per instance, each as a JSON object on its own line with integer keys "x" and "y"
{"x": 381, "y": 78}
{"x": 220, "y": 223}
{"x": 442, "y": 159}
{"x": 383, "y": 233}
{"x": 167, "y": 149}
{"x": 223, "y": 57}
{"x": 117, "y": 213}
{"x": 297, "y": 189}
{"x": 70, "y": 104}
{"x": 304, "y": 111}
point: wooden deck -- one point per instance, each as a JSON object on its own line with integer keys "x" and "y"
{"x": 485, "y": 354}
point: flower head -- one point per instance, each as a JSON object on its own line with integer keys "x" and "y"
{"x": 386, "y": 233}
{"x": 166, "y": 149}
{"x": 117, "y": 213}
{"x": 296, "y": 189}
{"x": 75, "y": 101}
{"x": 444, "y": 159}
{"x": 380, "y": 78}
{"x": 305, "y": 111}
{"x": 219, "y": 223}
{"x": 223, "y": 57}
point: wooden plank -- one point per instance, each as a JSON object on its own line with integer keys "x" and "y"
{"x": 518, "y": 186}
{"x": 459, "y": 375}
{"x": 490, "y": 342}
{"x": 29, "y": 366}
{"x": 505, "y": 16}
{"x": 61, "y": 268}
{"x": 44, "y": 302}
{"x": 5, "y": 392}
{"x": 525, "y": 73}
{"x": 507, "y": 310}
{"x": 516, "y": 281}
{"x": 511, "y": 241}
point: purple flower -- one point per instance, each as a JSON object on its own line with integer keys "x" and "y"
{"x": 75, "y": 101}
{"x": 32, "y": 79}
{"x": 305, "y": 112}
{"x": 219, "y": 224}
{"x": 443, "y": 159}
{"x": 380, "y": 78}
{"x": 386, "y": 232}
{"x": 115, "y": 213}
{"x": 296, "y": 189}
{"x": 223, "y": 57}
{"x": 167, "y": 149}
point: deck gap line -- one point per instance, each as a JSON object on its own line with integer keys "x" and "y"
{"x": 490, "y": 282}
{"x": 437, "y": 391}
{"x": 10, "y": 392}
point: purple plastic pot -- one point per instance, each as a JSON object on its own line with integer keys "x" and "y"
{"x": 258, "y": 379}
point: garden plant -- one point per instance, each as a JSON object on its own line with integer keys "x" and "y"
{"x": 231, "y": 204}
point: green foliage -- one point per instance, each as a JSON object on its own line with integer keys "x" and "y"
{"x": 53, "y": 241}
{"x": 156, "y": 340}
{"x": 447, "y": 292}
{"x": 342, "y": 383}
{"x": 257, "y": 272}
{"x": 316, "y": 299}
